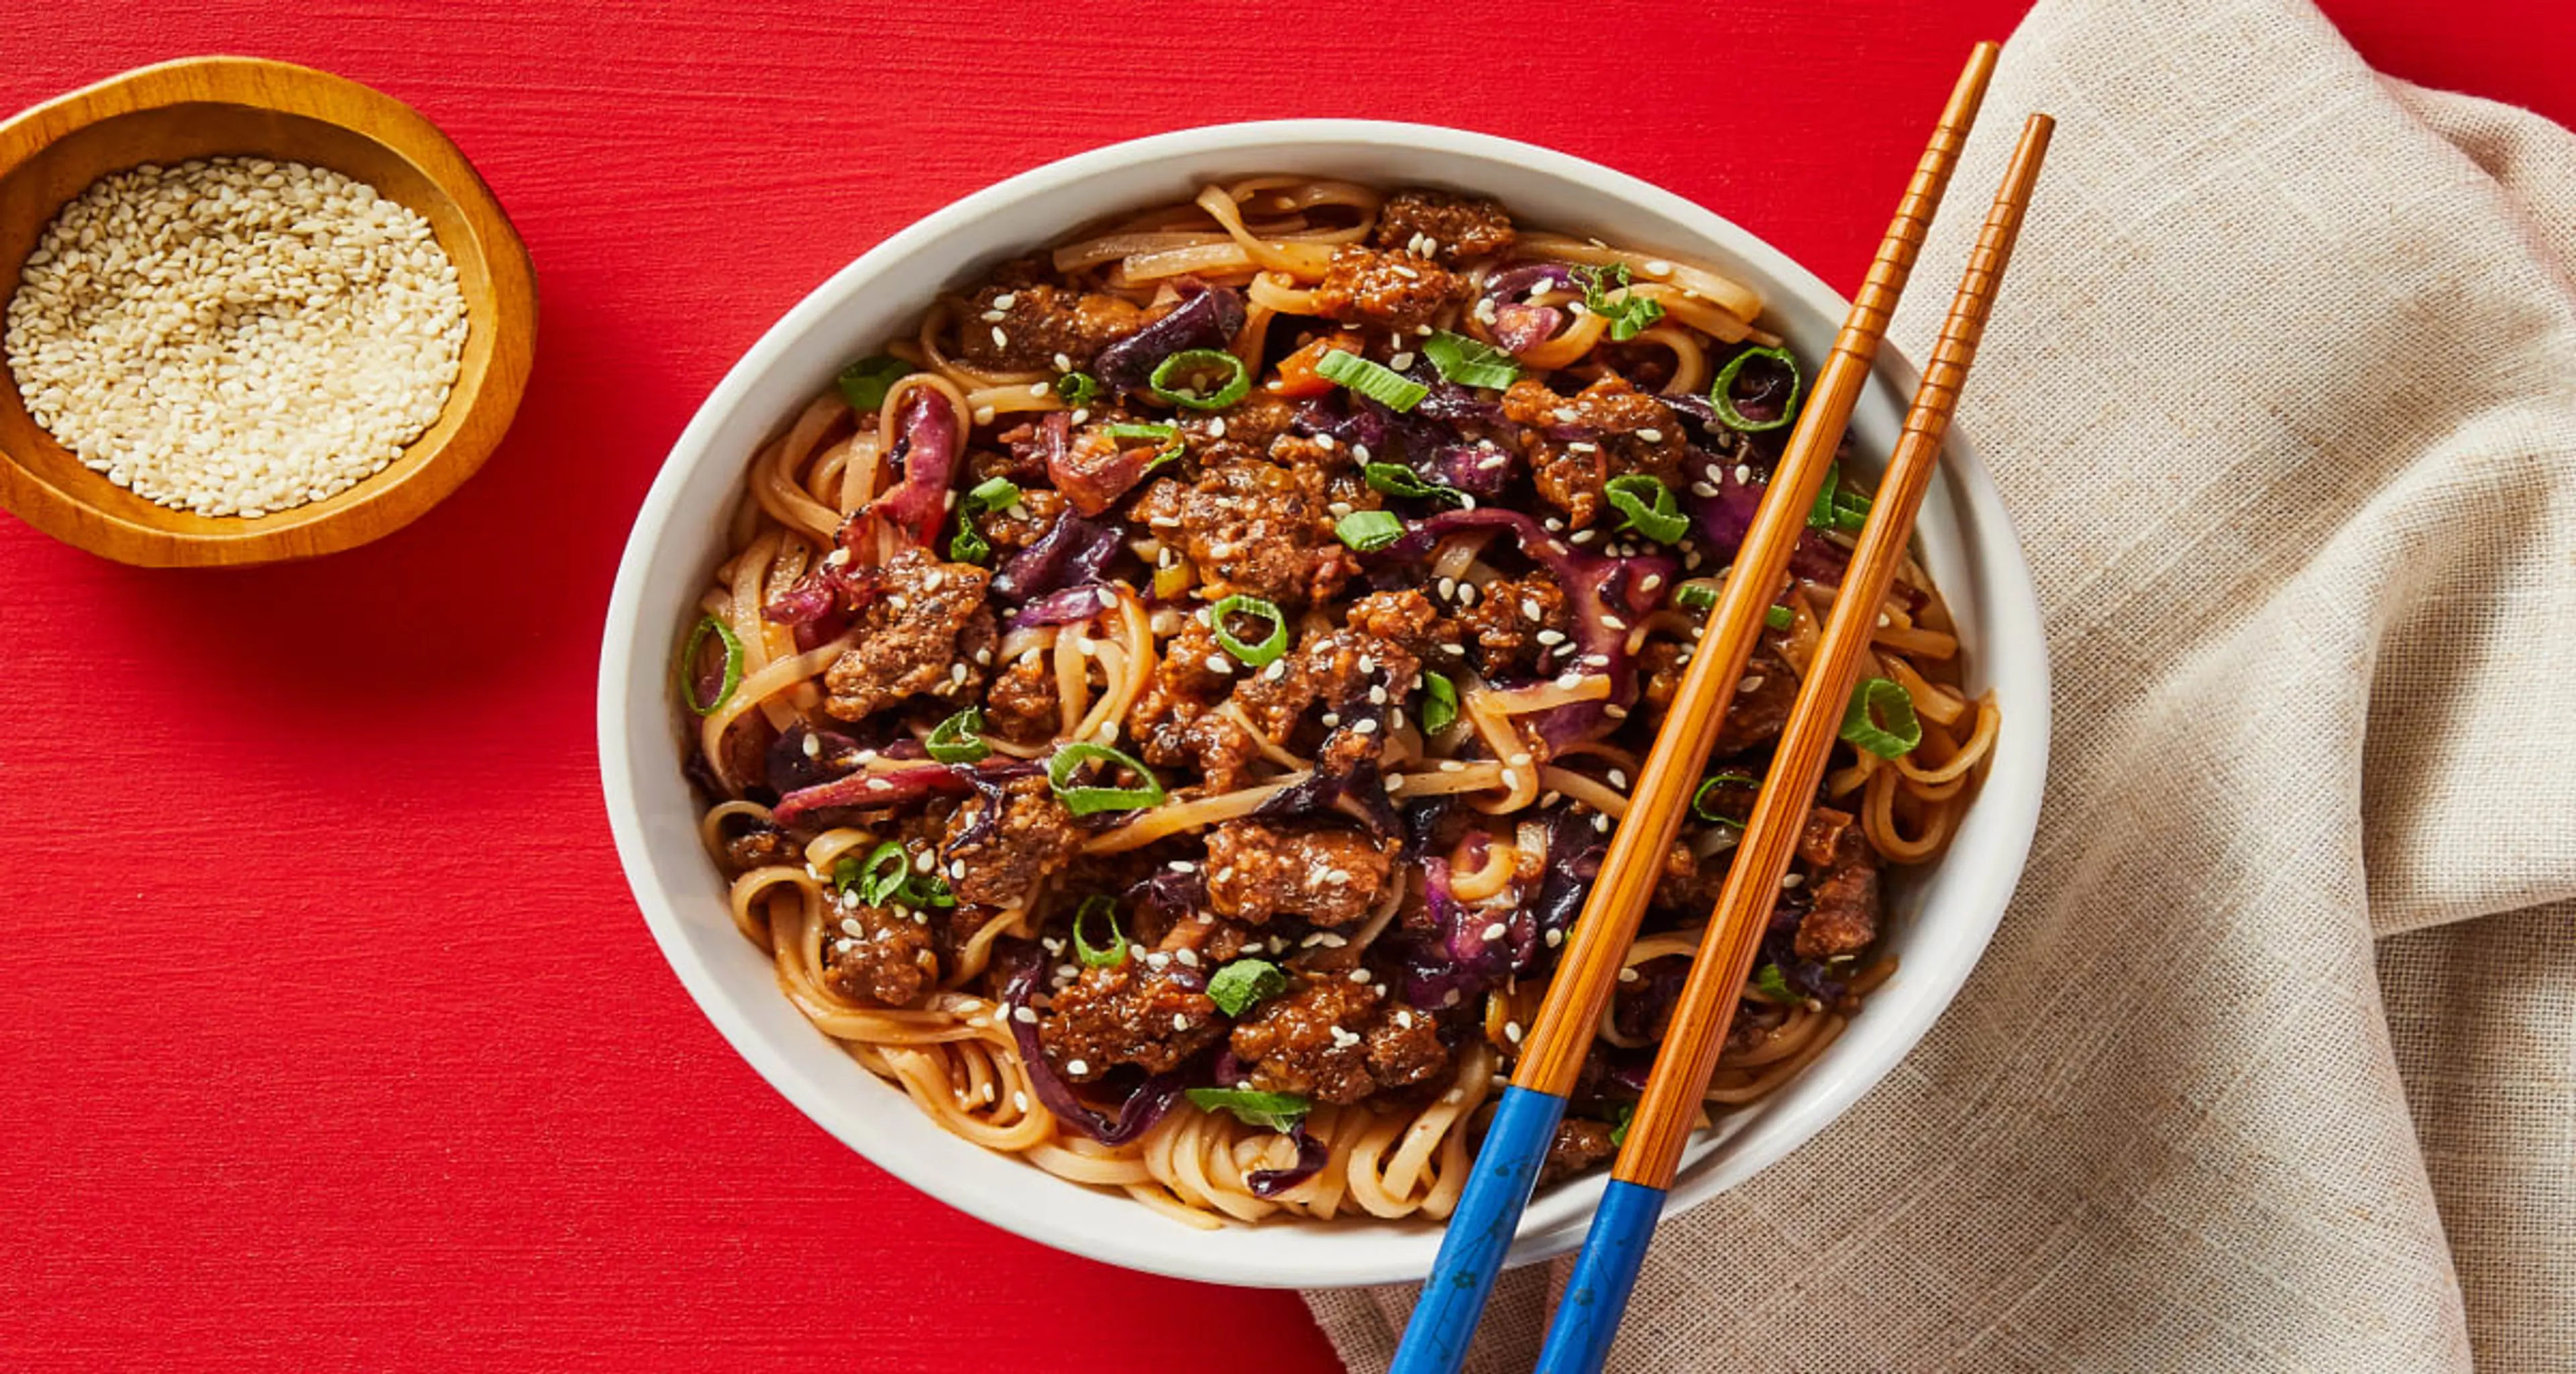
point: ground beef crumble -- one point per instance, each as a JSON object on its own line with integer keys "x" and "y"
{"x": 927, "y": 622}
{"x": 1845, "y": 893}
{"x": 1324, "y": 875}
{"x": 1334, "y": 1039}
{"x": 1137, "y": 1011}
{"x": 1446, "y": 228}
{"x": 1037, "y": 323}
{"x": 1580, "y": 1144}
{"x": 1392, "y": 291}
{"x": 874, "y": 957}
{"x": 1251, "y": 525}
{"x": 1032, "y": 839}
{"x": 1576, "y": 444}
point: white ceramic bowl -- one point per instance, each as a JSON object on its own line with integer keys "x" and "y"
{"x": 1944, "y": 915}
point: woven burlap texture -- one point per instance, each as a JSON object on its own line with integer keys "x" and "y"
{"x": 2269, "y": 1065}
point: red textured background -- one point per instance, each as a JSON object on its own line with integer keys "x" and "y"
{"x": 328, "y": 1034}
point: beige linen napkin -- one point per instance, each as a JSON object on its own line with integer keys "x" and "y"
{"x": 2269, "y": 1066}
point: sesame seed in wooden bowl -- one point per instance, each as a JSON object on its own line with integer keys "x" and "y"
{"x": 297, "y": 226}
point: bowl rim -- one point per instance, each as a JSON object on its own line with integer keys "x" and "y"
{"x": 383, "y": 502}
{"x": 2011, "y": 791}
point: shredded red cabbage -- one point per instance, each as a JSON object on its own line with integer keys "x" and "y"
{"x": 1093, "y": 475}
{"x": 1360, "y": 792}
{"x": 1724, "y": 519}
{"x": 1070, "y": 606}
{"x": 1207, "y": 317}
{"x": 1136, "y": 1115}
{"x": 925, "y": 451}
{"x": 894, "y": 787}
{"x": 1075, "y": 551}
{"x": 1311, "y": 1154}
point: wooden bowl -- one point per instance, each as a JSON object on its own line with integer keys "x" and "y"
{"x": 206, "y": 106}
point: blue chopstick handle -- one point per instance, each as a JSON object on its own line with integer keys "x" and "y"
{"x": 1596, "y": 1295}
{"x": 1480, "y": 1231}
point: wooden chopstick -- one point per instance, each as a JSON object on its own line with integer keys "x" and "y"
{"x": 1579, "y": 1337}
{"x": 1552, "y": 1053}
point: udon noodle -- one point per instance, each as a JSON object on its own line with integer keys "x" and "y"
{"x": 1162, "y": 713}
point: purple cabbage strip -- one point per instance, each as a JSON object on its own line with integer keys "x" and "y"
{"x": 1136, "y": 1115}
{"x": 1474, "y": 469}
{"x": 1067, "y": 607}
{"x": 895, "y": 787}
{"x": 1574, "y": 854}
{"x": 1173, "y": 897}
{"x": 925, "y": 450}
{"x": 1075, "y": 551}
{"x": 1360, "y": 792}
{"x": 789, "y": 768}
{"x": 1595, "y": 586}
{"x": 1207, "y": 317}
{"x": 1724, "y": 519}
{"x": 1311, "y": 1154}
{"x": 1346, "y": 424}
{"x": 1521, "y": 328}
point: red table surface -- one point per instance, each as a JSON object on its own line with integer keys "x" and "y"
{"x": 329, "y": 1036}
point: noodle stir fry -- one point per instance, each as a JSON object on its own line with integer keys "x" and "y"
{"x": 1164, "y": 713}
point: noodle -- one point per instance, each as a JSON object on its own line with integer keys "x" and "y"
{"x": 880, "y": 795}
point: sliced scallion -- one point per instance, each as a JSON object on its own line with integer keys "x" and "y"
{"x": 1170, "y": 435}
{"x": 1271, "y": 1111}
{"x": 1076, "y": 388}
{"x": 1695, "y": 596}
{"x": 1469, "y": 362}
{"x": 1190, "y": 362}
{"x": 1243, "y": 983}
{"x": 876, "y": 877}
{"x": 1779, "y": 617}
{"x": 959, "y": 739}
{"x": 864, "y": 383}
{"x": 1395, "y": 479}
{"x": 732, "y": 665}
{"x": 1439, "y": 702}
{"x": 1772, "y": 983}
{"x": 994, "y": 493}
{"x": 1084, "y": 800}
{"x": 1650, "y": 507}
{"x": 1881, "y": 719}
{"x": 1381, "y": 384}
{"x": 1257, "y": 655}
{"x": 1113, "y": 951}
{"x": 1369, "y": 530}
{"x": 1704, "y": 801}
{"x": 1721, "y": 393}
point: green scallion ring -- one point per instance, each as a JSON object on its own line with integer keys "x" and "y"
{"x": 1109, "y": 955}
{"x": 1649, "y": 506}
{"x": 1881, "y": 719}
{"x": 1369, "y": 530}
{"x": 1238, "y": 381}
{"x": 1439, "y": 702}
{"x": 1257, "y": 655}
{"x": 1701, "y": 806}
{"x": 1083, "y": 800}
{"x": 1720, "y": 391}
{"x": 959, "y": 739}
{"x": 880, "y": 876}
{"x": 732, "y": 665}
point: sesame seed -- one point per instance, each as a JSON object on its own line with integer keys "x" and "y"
{"x": 1657, "y": 267}
{"x": 1400, "y": 361}
{"x": 1364, "y": 727}
{"x": 1020, "y": 1100}
{"x": 1063, "y": 363}
{"x": 850, "y": 926}
{"x": 1549, "y": 636}
{"x": 1511, "y": 780}
{"x": 1652, "y": 436}
{"x": 1618, "y": 777}
{"x": 1026, "y": 1016}
{"x": 1555, "y": 937}
{"x": 1005, "y": 301}
{"x": 1743, "y": 474}
{"x": 1040, "y": 389}
{"x": 333, "y": 331}
{"x": 1512, "y": 1031}
{"x": 1359, "y": 975}
{"x": 1452, "y": 766}
{"x": 813, "y": 746}
{"x": 1752, "y": 684}
{"x": 1466, "y": 593}
{"x": 1076, "y": 1067}
{"x": 1219, "y": 663}
{"x": 1627, "y": 975}
{"x": 924, "y": 861}
{"x": 983, "y": 416}
{"x": 1182, "y": 866}
{"x": 1791, "y": 880}
{"x": 1180, "y": 1021}
{"x": 1496, "y": 931}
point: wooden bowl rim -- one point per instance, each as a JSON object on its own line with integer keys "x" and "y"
{"x": 383, "y": 502}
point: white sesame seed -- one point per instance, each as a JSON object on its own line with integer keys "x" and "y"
{"x": 1549, "y": 637}
{"x": 1627, "y": 975}
{"x": 1063, "y": 363}
{"x": 1496, "y": 931}
{"x": 1652, "y": 436}
{"x": 1189, "y": 957}
{"x": 813, "y": 746}
{"x": 1555, "y": 937}
{"x": 1076, "y": 1067}
{"x": 1511, "y": 779}
{"x": 1180, "y": 1022}
{"x": 1219, "y": 663}
{"x": 1359, "y": 975}
{"x": 1743, "y": 474}
{"x": 1512, "y": 1031}
{"x": 333, "y": 329}
{"x": 1040, "y": 389}
{"x": 1005, "y": 301}
{"x": 1657, "y": 267}
{"x": 1400, "y": 361}
{"x": 1364, "y": 727}
{"x": 1791, "y": 880}
{"x": 1026, "y": 1016}
{"x": 1452, "y": 766}
{"x": 1020, "y": 1100}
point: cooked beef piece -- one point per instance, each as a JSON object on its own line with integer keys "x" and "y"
{"x": 1343, "y": 669}
{"x": 1025, "y": 328}
{"x": 1503, "y": 624}
{"x": 1250, "y": 424}
{"x": 872, "y": 956}
{"x": 1660, "y": 664}
{"x": 1023, "y": 522}
{"x": 759, "y": 847}
{"x": 1444, "y": 227}
{"x": 1171, "y": 721}
{"x": 1212, "y": 941}
{"x": 1626, "y": 431}
{"x": 1844, "y": 918}
{"x": 1252, "y": 526}
{"x": 1032, "y": 839}
{"x": 1688, "y": 883}
{"x": 1023, "y": 706}
{"x": 921, "y": 635}
{"x": 1153, "y": 1015}
{"x": 1822, "y": 836}
{"x": 1580, "y": 1144}
{"x": 1763, "y": 697}
{"x": 1406, "y": 618}
{"x": 1393, "y": 291}
{"x": 1023, "y": 461}
{"x": 1324, "y": 875}
{"x": 1333, "y": 1039}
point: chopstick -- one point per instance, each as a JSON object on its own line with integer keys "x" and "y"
{"x": 1552, "y": 1053}
{"x": 1579, "y": 1337}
